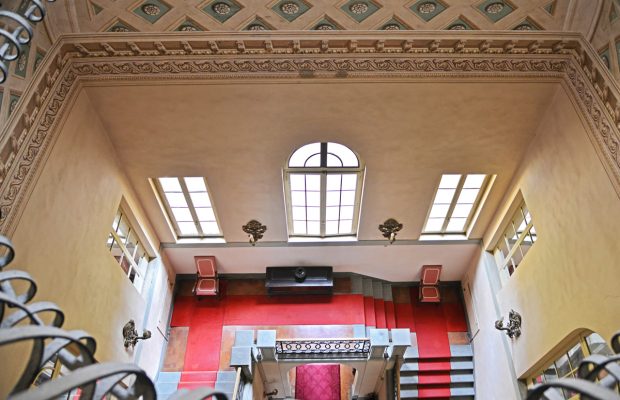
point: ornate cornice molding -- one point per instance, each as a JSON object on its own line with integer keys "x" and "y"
{"x": 26, "y": 139}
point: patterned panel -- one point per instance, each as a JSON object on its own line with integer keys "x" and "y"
{"x": 290, "y": 10}
{"x": 151, "y": 10}
{"x": 222, "y": 10}
{"x": 495, "y": 10}
{"x": 394, "y": 24}
{"x": 189, "y": 26}
{"x": 427, "y": 9}
{"x": 14, "y": 99}
{"x": 325, "y": 24}
{"x": 460, "y": 24}
{"x": 527, "y": 25}
{"x": 359, "y": 10}
{"x": 38, "y": 58}
{"x": 258, "y": 24}
{"x": 605, "y": 57}
{"x": 550, "y": 8}
{"x": 21, "y": 66}
{"x": 120, "y": 26}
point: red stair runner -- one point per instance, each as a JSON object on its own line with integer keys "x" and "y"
{"x": 317, "y": 382}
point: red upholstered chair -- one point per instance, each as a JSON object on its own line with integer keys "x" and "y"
{"x": 207, "y": 283}
{"x": 429, "y": 291}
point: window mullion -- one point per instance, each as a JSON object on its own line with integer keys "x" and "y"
{"x": 457, "y": 193}
{"x": 164, "y": 201}
{"x": 323, "y": 203}
{"x": 190, "y": 205}
{"x": 512, "y": 250}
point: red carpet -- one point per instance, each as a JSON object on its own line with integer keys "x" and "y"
{"x": 380, "y": 314}
{"x": 317, "y": 382}
{"x": 432, "y": 331}
{"x": 390, "y": 317}
{"x": 369, "y": 311}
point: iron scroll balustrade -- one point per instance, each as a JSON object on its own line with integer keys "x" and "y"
{"x": 12, "y": 42}
{"x": 598, "y": 379}
{"x": 292, "y": 349}
{"x": 73, "y": 349}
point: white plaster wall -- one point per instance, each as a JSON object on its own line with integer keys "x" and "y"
{"x": 569, "y": 279}
{"x": 61, "y": 241}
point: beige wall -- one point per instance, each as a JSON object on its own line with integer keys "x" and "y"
{"x": 60, "y": 240}
{"x": 568, "y": 281}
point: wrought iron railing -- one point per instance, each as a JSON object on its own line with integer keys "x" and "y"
{"x": 598, "y": 378}
{"x": 21, "y": 322}
{"x": 322, "y": 348}
{"x": 17, "y": 33}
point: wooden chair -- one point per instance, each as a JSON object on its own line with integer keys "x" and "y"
{"x": 429, "y": 289}
{"x": 207, "y": 282}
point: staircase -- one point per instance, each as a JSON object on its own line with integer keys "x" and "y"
{"x": 438, "y": 378}
{"x": 169, "y": 382}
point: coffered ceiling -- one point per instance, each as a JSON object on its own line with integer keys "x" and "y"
{"x": 239, "y": 15}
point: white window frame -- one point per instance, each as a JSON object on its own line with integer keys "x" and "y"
{"x": 170, "y": 215}
{"x": 505, "y": 261}
{"x": 324, "y": 171}
{"x": 139, "y": 269}
{"x": 484, "y": 188}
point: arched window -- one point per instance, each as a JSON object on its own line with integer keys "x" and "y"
{"x": 323, "y": 187}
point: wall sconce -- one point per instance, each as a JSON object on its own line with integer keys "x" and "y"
{"x": 255, "y": 231}
{"x": 513, "y": 328}
{"x": 130, "y": 334}
{"x": 389, "y": 229}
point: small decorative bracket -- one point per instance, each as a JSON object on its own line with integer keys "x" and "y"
{"x": 255, "y": 231}
{"x": 513, "y": 328}
{"x": 389, "y": 229}
{"x": 130, "y": 334}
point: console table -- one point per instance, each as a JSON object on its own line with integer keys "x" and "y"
{"x": 299, "y": 280}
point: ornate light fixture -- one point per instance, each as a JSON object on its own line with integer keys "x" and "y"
{"x": 513, "y": 328}
{"x": 255, "y": 231}
{"x": 130, "y": 334}
{"x": 389, "y": 229}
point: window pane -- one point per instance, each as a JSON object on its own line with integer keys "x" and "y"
{"x": 117, "y": 219}
{"x": 298, "y": 198}
{"x": 332, "y": 198}
{"x": 550, "y": 373}
{"x": 205, "y": 214}
{"x": 298, "y": 159}
{"x": 314, "y": 228}
{"x": 526, "y": 213}
{"x": 182, "y": 214}
{"x": 176, "y": 199}
{"x": 299, "y": 213}
{"x": 456, "y": 225}
{"x": 449, "y": 181}
{"x": 439, "y": 210}
{"x": 347, "y": 198}
{"x": 346, "y": 226}
{"x": 123, "y": 229}
{"x": 333, "y": 161}
{"x": 313, "y": 182}
{"x": 517, "y": 256}
{"x": 444, "y": 196}
{"x": 187, "y": 228}
{"x": 597, "y": 345}
{"x": 434, "y": 224}
{"x": 299, "y": 227}
{"x": 298, "y": 181}
{"x": 519, "y": 223}
{"x": 346, "y": 212}
{"x": 562, "y": 366}
{"x": 468, "y": 196}
{"x": 110, "y": 241}
{"x": 200, "y": 199}
{"x": 170, "y": 184}
{"x": 462, "y": 210}
{"x": 474, "y": 181}
{"x": 195, "y": 184}
{"x": 334, "y": 182}
{"x": 210, "y": 228}
{"x": 313, "y": 199}
{"x": 348, "y": 157}
{"x": 349, "y": 181}
{"x": 575, "y": 355}
{"x": 332, "y": 213}
{"x": 314, "y": 213}
{"x": 331, "y": 227}
{"x": 313, "y": 161}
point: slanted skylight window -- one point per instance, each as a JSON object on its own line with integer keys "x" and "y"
{"x": 189, "y": 206}
{"x": 455, "y": 203}
{"x": 323, "y": 184}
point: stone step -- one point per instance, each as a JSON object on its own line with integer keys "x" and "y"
{"x": 226, "y": 376}
{"x": 168, "y": 377}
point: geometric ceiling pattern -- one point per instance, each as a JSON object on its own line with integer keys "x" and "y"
{"x": 240, "y": 15}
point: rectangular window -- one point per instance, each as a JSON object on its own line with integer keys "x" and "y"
{"x": 455, "y": 203}
{"x": 189, "y": 206}
{"x": 514, "y": 243}
{"x": 127, "y": 249}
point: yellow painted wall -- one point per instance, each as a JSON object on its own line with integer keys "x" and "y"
{"x": 61, "y": 241}
{"x": 569, "y": 280}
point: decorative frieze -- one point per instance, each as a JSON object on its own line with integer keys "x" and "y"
{"x": 339, "y": 55}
